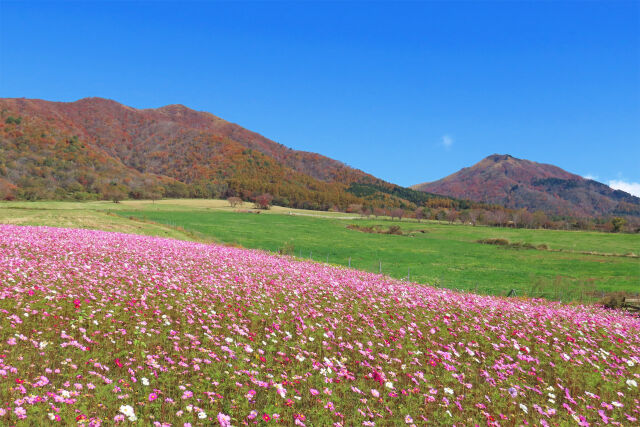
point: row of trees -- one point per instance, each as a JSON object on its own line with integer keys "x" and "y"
{"x": 496, "y": 217}
{"x": 502, "y": 217}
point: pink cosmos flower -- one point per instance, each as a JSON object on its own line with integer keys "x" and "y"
{"x": 20, "y": 412}
{"x": 224, "y": 420}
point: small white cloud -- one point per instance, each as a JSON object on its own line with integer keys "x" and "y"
{"x": 446, "y": 141}
{"x": 590, "y": 176}
{"x": 629, "y": 187}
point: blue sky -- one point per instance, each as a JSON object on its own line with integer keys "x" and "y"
{"x": 409, "y": 92}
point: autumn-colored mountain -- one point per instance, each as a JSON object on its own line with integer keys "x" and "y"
{"x": 517, "y": 183}
{"x": 77, "y": 149}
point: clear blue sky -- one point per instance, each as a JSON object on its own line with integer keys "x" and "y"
{"x": 409, "y": 92}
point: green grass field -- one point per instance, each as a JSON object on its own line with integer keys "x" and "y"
{"x": 444, "y": 255}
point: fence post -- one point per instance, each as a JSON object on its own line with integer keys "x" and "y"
{"x": 380, "y": 267}
{"x": 310, "y": 254}
{"x": 349, "y": 262}
{"x": 408, "y": 274}
{"x": 327, "y": 258}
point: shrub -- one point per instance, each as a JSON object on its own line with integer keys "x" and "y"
{"x": 394, "y": 229}
{"x": 13, "y": 120}
{"x": 263, "y": 201}
{"x": 612, "y": 301}
{"x": 500, "y": 242}
{"x": 287, "y": 248}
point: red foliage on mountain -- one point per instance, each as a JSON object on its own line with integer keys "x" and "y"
{"x": 517, "y": 183}
{"x": 72, "y": 150}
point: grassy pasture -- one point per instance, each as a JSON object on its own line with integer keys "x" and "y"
{"x": 577, "y": 265}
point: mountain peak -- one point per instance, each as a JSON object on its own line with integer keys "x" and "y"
{"x": 175, "y": 107}
{"x": 517, "y": 183}
{"x": 500, "y": 157}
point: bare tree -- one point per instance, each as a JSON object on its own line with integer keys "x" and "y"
{"x": 473, "y": 216}
{"x": 354, "y": 208}
{"x": 234, "y": 201}
{"x": 452, "y": 215}
{"x": 366, "y": 212}
{"x": 378, "y": 212}
{"x": 499, "y": 217}
{"x": 397, "y": 213}
{"x": 419, "y": 214}
{"x": 515, "y": 218}
{"x": 526, "y": 218}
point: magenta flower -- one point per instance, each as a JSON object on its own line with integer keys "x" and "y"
{"x": 224, "y": 420}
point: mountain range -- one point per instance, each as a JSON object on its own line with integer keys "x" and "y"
{"x": 92, "y": 147}
{"x": 77, "y": 149}
{"x": 517, "y": 183}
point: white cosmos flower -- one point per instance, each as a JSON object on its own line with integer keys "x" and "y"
{"x": 127, "y": 410}
{"x": 145, "y": 381}
{"x": 524, "y": 408}
{"x": 632, "y": 383}
{"x": 448, "y": 390}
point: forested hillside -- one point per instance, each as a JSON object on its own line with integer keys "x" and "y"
{"x": 98, "y": 148}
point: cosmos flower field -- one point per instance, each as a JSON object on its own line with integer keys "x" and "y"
{"x": 107, "y": 328}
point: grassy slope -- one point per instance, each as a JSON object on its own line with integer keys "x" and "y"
{"x": 81, "y": 215}
{"x": 445, "y": 254}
